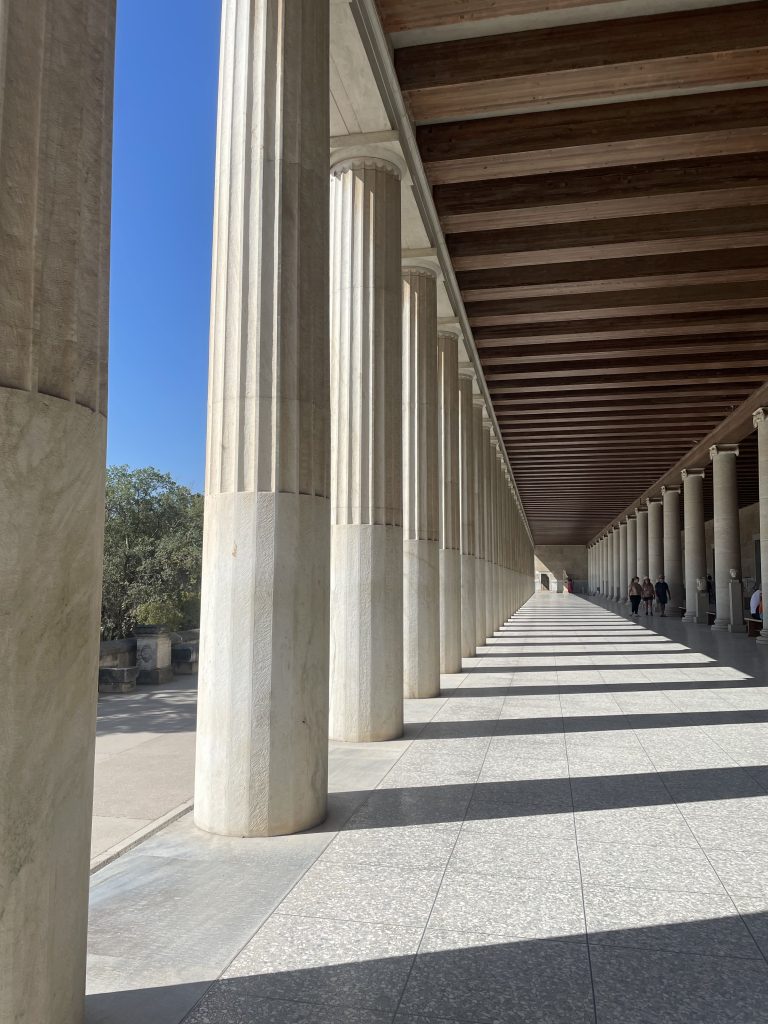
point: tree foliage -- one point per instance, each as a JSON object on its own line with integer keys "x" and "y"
{"x": 152, "y": 552}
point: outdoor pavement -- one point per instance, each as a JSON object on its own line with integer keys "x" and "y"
{"x": 575, "y": 831}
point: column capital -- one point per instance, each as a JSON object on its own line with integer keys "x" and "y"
{"x": 641, "y": 510}
{"x": 759, "y": 416}
{"x": 670, "y": 489}
{"x": 693, "y": 471}
{"x": 723, "y": 449}
{"x": 652, "y": 501}
{"x": 632, "y": 515}
{"x": 420, "y": 265}
{"x": 374, "y": 158}
{"x": 467, "y": 371}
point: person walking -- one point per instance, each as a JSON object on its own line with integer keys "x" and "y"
{"x": 648, "y": 593}
{"x": 635, "y": 595}
{"x": 662, "y": 593}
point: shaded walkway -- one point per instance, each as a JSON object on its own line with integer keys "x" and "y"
{"x": 575, "y": 831}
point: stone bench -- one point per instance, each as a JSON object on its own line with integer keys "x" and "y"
{"x": 118, "y": 680}
{"x": 754, "y": 626}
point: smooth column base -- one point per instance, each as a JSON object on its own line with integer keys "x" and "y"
{"x": 366, "y": 633}
{"x": 421, "y": 619}
{"x": 762, "y": 638}
{"x": 52, "y": 511}
{"x": 262, "y": 761}
{"x": 468, "y": 606}
{"x": 479, "y": 602}
{"x": 450, "y": 611}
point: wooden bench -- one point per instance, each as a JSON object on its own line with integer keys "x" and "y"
{"x": 753, "y": 625}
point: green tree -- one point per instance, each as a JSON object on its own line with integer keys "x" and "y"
{"x": 153, "y": 547}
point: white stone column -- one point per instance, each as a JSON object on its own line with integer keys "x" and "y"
{"x": 727, "y": 533}
{"x": 479, "y": 502}
{"x": 497, "y": 484}
{"x": 616, "y": 563}
{"x": 631, "y": 547}
{"x": 450, "y": 556}
{"x": 366, "y": 661}
{"x": 655, "y": 539}
{"x": 695, "y": 544}
{"x": 623, "y": 581}
{"x": 467, "y": 511}
{"x": 56, "y": 73}
{"x": 261, "y": 766}
{"x": 760, "y": 420}
{"x": 642, "y": 543}
{"x": 490, "y": 625}
{"x": 673, "y": 553}
{"x": 421, "y": 503}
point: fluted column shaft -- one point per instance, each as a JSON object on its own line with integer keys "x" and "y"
{"x": 467, "y": 513}
{"x": 760, "y": 421}
{"x": 479, "y": 502}
{"x": 617, "y": 590}
{"x": 450, "y": 509}
{"x": 695, "y": 539}
{"x": 623, "y": 581}
{"x": 655, "y": 539}
{"x": 673, "y": 554}
{"x": 631, "y": 547}
{"x": 642, "y": 543}
{"x": 56, "y": 75}
{"x": 727, "y": 531}
{"x": 490, "y": 625}
{"x": 421, "y": 503}
{"x": 366, "y": 404}
{"x": 261, "y": 766}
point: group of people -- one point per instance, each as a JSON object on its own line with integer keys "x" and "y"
{"x": 647, "y": 592}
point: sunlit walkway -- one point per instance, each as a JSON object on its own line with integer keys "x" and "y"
{"x": 576, "y": 831}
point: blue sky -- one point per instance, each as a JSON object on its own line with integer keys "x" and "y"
{"x": 164, "y": 148}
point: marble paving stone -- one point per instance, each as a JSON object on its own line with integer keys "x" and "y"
{"x": 684, "y": 922}
{"x": 518, "y": 908}
{"x": 648, "y": 826}
{"x": 673, "y": 868}
{"x": 420, "y": 848}
{"x": 743, "y": 872}
{"x": 346, "y": 963}
{"x": 502, "y": 857}
{"x": 399, "y": 808}
{"x": 233, "y": 1002}
{"x": 533, "y": 829}
{"x": 463, "y": 976}
{"x": 639, "y": 987}
{"x": 515, "y": 799}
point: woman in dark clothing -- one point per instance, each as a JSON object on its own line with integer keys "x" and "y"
{"x": 648, "y": 594}
{"x": 635, "y": 594}
{"x": 662, "y": 593}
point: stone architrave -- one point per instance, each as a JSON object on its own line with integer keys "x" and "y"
{"x": 262, "y": 735}
{"x": 56, "y": 77}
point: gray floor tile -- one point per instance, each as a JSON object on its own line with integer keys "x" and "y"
{"x": 235, "y": 1002}
{"x": 640, "y": 987}
{"x": 647, "y": 826}
{"x": 743, "y": 872}
{"x": 673, "y": 868}
{"x": 418, "y": 848}
{"x": 501, "y": 858}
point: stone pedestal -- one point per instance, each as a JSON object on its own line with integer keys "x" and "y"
{"x": 727, "y": 532}
{"x": 261, "y": 764}
{"x": 153, "y": 655}
{"x": 421, "y": 574}
{"x": 450, "y": 556}
{"x": 736, "y": 604}
{"x": 701, "y": 615}
{"x": 366, "y": 444}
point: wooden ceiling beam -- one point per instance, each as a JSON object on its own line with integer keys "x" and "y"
{"x": 597, "y": 62}
{"x": 405, "y": 15}
{"x": 563, "y": 354}
{"x": 501, "y": 388}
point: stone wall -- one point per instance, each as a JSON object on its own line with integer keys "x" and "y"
{"x": 561, "y": 559}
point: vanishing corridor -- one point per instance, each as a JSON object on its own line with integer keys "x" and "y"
{"x": 575, "y": 830}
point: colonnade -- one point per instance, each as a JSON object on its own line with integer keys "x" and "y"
{"x": 654, "y": 544}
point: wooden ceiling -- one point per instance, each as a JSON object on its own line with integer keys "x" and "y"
{"x": 601, "y": 174}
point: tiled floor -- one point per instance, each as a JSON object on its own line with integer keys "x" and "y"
{"x": 576, "y": 831}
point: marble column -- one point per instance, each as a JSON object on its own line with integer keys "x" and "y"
{"x": 655, "y": 539}
{"x": 490, "y": 625}
{"x": 727, "y": 534}
{"x": 673, "y": 554}
{"x": 467, "y": 511}
{"x": 695, "y": 544}
{"x": 479, "y": 501}
{"x": 421, "y": 504}
{"x": 631, "y": 547}
{"x": 56, "y": 73}
{"x": 642, "y": 543}
{"x": 262, "y": 734}
{"x": 450, "y": 554}
{"x": 615, "y": 564}
{"x": 366, "y": 661}
{"x": 760, "y": 421}
{"x": 623, "y": 581}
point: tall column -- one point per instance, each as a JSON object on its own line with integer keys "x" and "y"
{"x": 631, "y": 547}
{"x": 760, "y": 420}
{"x": 366, "y": 662}
{"x": 421, "y": 504}
{"x": 623, "y": 581}
{"x": 727, "y": 532}
{"x": 655, "y": 538}
{"x": 261, "y": 766}
{"x": 673, "y": 555}
{"x": 467, "y": 511}
{"x": 479, "y": 501}
{"x": 490, "y": 625}
{"x": 642, "y": 543}
{"x": 615, "y": 564}
{"x": 450, "y": 556}
{"x": 56, "y": 73}
{"x": 695, "y": 542}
